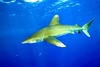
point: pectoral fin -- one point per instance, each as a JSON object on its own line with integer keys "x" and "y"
{"x": 54, "y": 41}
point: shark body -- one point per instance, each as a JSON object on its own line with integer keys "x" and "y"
{"x": 50, "y": 32}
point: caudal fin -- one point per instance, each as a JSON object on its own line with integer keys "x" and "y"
{"x": 86, "y": 26}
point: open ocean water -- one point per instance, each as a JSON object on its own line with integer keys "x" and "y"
{"x": 21, "y": 18}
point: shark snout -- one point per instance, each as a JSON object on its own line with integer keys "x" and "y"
{"x": 24, "y": 42}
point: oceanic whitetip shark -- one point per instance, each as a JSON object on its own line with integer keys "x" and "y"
{"x": 54, "y": 29}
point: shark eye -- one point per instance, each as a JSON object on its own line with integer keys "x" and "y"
{"x": 38, "y": 40}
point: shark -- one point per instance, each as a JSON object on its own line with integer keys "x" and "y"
{"x": 54, "y": 29}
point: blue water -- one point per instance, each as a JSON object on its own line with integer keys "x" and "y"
{"x": 20, "y": 19}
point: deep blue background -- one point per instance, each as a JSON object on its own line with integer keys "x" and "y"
{"x": 19, "y": 20}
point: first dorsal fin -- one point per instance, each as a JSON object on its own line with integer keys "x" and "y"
{"x": 55, "y": 20}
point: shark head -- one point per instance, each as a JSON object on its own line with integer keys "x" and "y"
{"x": 32, "y": 40}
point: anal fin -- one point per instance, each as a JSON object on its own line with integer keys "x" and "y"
{"x": 55, "y": 42}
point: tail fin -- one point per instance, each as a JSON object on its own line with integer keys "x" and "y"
{"x": 86, "y": 26}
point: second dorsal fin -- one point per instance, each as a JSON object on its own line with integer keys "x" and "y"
{"x": 55, "y": 20}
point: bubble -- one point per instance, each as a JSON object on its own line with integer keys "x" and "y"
{"x": 17, "y": 55}
{"x": 40, "y": 54}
